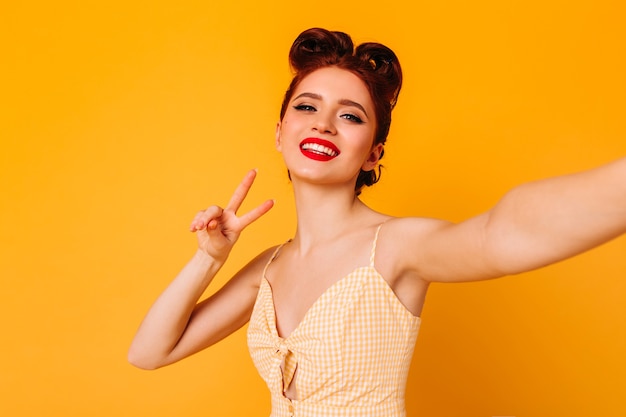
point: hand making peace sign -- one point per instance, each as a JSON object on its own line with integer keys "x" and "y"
{"x": 219, "y": 228}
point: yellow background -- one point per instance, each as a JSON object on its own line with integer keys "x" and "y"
{"x": 121, "y": 119}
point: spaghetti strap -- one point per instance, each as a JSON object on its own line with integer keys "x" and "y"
{"x": 274, "y": 255}
{"x": 373, "y": 251}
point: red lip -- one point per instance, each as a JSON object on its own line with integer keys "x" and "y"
{"x": 316, "y": 155}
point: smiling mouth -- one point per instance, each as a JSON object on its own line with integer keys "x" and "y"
{"x": 318, "y": 149}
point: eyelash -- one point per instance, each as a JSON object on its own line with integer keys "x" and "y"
{"x": 352, "y": 117}
{"x": 304, "y": 107}
{"x": 348, "y": 116}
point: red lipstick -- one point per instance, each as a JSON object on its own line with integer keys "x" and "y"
{"x": 319, "y": 149}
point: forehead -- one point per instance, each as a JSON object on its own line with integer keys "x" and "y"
{"x": 335, "y": 84}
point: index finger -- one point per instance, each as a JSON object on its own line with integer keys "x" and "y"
{"x": 241, "y": 191}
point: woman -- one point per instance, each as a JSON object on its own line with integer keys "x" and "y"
{"x": 334, "y": 312}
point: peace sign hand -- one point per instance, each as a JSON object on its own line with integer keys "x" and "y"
{"x": 219, "y": 228}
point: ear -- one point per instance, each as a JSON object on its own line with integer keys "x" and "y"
{"x": 278, "y": 144}
{"x": 373, "y": 158}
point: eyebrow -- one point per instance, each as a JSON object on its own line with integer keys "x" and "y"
{"x": 343, "y": 101}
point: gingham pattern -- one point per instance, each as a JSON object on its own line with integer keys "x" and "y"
{"x": 352, "y": 349}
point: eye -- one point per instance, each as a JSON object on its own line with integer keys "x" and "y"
{"x": 352, "y": 117}
{"x": 304, "y": 107}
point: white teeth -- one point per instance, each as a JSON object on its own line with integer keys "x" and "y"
{"x": 316, "y": 147}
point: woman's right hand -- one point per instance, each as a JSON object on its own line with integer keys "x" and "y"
{"x": 219, "y": 228}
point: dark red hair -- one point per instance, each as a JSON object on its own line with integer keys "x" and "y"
{"x": 375, "y": 64}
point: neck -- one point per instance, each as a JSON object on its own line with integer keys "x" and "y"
{"x": 324, "y": 213}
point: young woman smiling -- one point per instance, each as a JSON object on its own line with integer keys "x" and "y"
{"x": 334, "y": 312}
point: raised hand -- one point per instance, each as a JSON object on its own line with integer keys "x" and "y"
{"x": 219, "y": 228}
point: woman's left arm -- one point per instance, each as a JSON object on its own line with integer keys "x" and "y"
{"x": 533, "y": 225}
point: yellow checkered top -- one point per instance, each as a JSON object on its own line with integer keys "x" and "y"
{"x": 352, "y": 349}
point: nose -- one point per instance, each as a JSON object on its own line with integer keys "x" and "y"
{"x": 324, "y": 123}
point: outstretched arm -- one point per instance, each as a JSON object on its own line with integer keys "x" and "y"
{"x": 534, "y": 225}
{"x": 547, "y": 221}
{"x": 177, "y": 326}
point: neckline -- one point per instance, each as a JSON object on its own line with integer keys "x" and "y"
{"x": 313, "y": 306}
{"x": 324, "y": 295}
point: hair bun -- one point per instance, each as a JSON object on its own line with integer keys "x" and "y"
{"x": 318, "y": 47}
{"x": 384, "y": 62}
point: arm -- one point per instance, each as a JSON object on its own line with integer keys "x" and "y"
{"x": 177, "y": 325}
{"x": 534, "y": 225}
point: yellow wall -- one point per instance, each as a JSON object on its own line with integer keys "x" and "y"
{"x": 121, "y": 119}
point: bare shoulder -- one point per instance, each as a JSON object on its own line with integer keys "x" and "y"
{"x": 406, "y": 244}
{"x": 438, "y": 250}
{"x": 404, "y": 234}
{"x": 252, "y": 272}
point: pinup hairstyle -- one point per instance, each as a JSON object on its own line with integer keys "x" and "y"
{"x": 375, "y": 64}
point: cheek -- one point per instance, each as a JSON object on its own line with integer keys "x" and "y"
{"x": 366, "y": 141}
